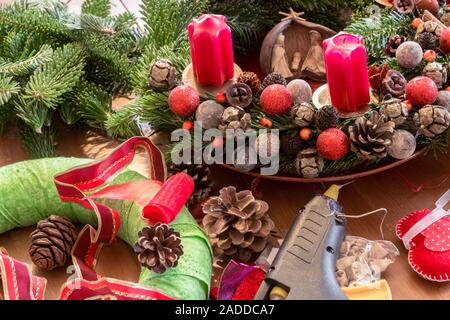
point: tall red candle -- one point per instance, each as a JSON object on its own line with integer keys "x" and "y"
{"x": 211, "y": 49}
{"x": 347, "y": 73}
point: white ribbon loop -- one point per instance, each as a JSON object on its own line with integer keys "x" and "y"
{"x": 435, "y": 215}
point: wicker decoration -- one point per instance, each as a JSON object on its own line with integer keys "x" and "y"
{"x": 237, "y": 224}
{"x": 432, "y": 120}
{"x": 370, "y": 137}
{"x": 158, "y": 247}
{"x": 201, "y": 174}
{"x": 395, "y": 110}
{"x": 308, "y": 163}
{"x": 235, "y": 118}
{"x": 52, "y": 242}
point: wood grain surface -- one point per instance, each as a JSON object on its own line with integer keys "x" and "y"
{"x": 383, "y": 190}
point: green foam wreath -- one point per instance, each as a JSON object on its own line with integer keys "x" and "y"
{"x": 28, "y": 195}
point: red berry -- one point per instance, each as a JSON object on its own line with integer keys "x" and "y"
{"x": 416, "y": 23}
{"x": 409, "y": 105}
{"x": 188, "y": 125}
{"x": 421, "y": 91}
{"x": 306, "y": 134}
{"x": 332, "y": 144}
{"x": 221, "y": 97}
{"x": 266, "y": 123}
{"x": 276, "y": 99}
{"x": 429, "y": 56}
{"x": 183, "y": 100}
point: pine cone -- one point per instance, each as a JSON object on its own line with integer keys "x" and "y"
{"x": 162, "y": 75}
{"x": 158, "y": 247}
{"x": 273, "y": 78}
{"x": 432, "y": 120}
{"x": 436, "y": 72}
{"x": 394, "y": 84}
{"x": 404, "y": 6}
{"x": 52, "y": 242}
{"x": 370, "y": 137}
{"x": 251, "y": 79}
{"x": 235, "y": 118}
{"x": 377, "y": 75}
{"x": 395, "y": 110}
{"x": 392, "y": 45}
{"x": 326, "y": 117}
{"x": 201, "y": 175}
{"x": 428, "y": 41}
{"x": 237, "y": 224}
{"x": 308, "y": 163}
{"x": 303, "y": 114}
{"x": 290, "y": 145}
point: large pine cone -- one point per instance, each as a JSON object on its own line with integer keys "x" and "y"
{"x": 370, "y": 137}
{"x": 52, "y": 242}
{"x": 432, "y": 120}
{"x": 237, "y": 224}
{"x": 159, "y": 247}
{"x": 201, "y": 174}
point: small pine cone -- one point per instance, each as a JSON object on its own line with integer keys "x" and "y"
{"x": 162, "y": 75}
{"x": 394, "y": 84}
{"x": 428, "y": 41}
{"x": 308, "y": 163}
{"x": 290, "y": 145}
{"x": 237, "y": 224}
{"x": 371, "y": 137}
{"x": 392, "y": 45}
{"x": 404, "y": 6}
{"x": 436, "y": 72}
{"x": 52, "y": 242}
{"x": 326, "y": 117}
{"x": 158, "y": 247}
{"x": 303, "y": 114}
{"x": 395, "y": 110}
{"x": 432, "y": 120}
{"x": 201, "y": 175}
{"x": 251, "y": 79}
{"x": 273, "y": 78}
{"x": 235, "y": 118}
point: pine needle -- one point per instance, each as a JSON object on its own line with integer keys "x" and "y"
{"x": 38, "y": 145}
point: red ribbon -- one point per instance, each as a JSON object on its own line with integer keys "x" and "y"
{"x": 74, "y": 185}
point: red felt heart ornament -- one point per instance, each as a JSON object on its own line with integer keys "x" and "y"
{"x": 429, "y": 253}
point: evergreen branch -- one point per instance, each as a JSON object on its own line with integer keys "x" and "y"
{"x": 52, "y": 80}
{"x": 32, "y": 113}
{"x": 347, "y": 163}
{"x": 8, "y": 87}
{"x": 106, "y": 26}
{"x": 24, "y": 67}
{"x": 6, "y": 111}
{"x": 99, "y": 8}
{"x": 93, "y": 104}
{"x": 38, "y": 145}
{"x": 122, "y": 123}
{"x": 157, "y": 113}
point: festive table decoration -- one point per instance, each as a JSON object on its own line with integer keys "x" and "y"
{"x": 426, "y": 235}
{"x": 162, "y": 75}
{"x": 52, "y": 242}
{"x": 347, "y": 75}
{"x": 117, "y": 209}
{"x": 293, "y": 48}
{"x": 237, "y": 224}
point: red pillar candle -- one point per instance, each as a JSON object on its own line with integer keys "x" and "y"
{"x": 347, "y": 73}
{"x": 211, "y": 49}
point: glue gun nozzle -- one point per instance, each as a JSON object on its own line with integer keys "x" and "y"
{"x": 333, "y": 190}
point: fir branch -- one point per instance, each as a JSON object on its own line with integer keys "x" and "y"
{"x": 94, "y": 104}
{"x": 122, "y": 123}
{"x": 25, "y": 67}
{"x": 38, "y": 145}
{"x": 157, "y": 113}
{"x": 6, "y": 111}
{"x": 32, "y": 113}
{"x": 106, "y": 26}
{"x": 8, "y": 87}
{"x": 52, "y": 80}
{"x": 347, "y": 163}
{"x": 99, "y": 8}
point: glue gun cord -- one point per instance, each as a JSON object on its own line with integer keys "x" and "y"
{"x": 368, "y": 214}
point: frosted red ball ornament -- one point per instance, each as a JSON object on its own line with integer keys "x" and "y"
{"x": 421, "y": 91}
{"x": 183, "y": 100}
{"x": 333, "y": 144}
{"x": 276, "y": 99}
{"x": 445, "y": 41}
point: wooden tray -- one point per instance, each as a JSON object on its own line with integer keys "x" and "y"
{"x": 347, "y": 177}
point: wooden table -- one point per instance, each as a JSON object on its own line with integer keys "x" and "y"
{"x": 383, "y": 190}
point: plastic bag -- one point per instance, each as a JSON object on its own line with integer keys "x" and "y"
{"x": 362, "y": 261}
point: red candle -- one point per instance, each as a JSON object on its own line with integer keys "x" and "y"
{"x": 211, "y": 49}
{"x": 347, "y": 73}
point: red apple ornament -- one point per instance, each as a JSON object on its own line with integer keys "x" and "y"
{"x": 183, "y": 100}
{"x": 421, "y": 91}
{"x": 445, "y": 40}
{"x": 276, "y": 99}
{"x": 332, "y": 144}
